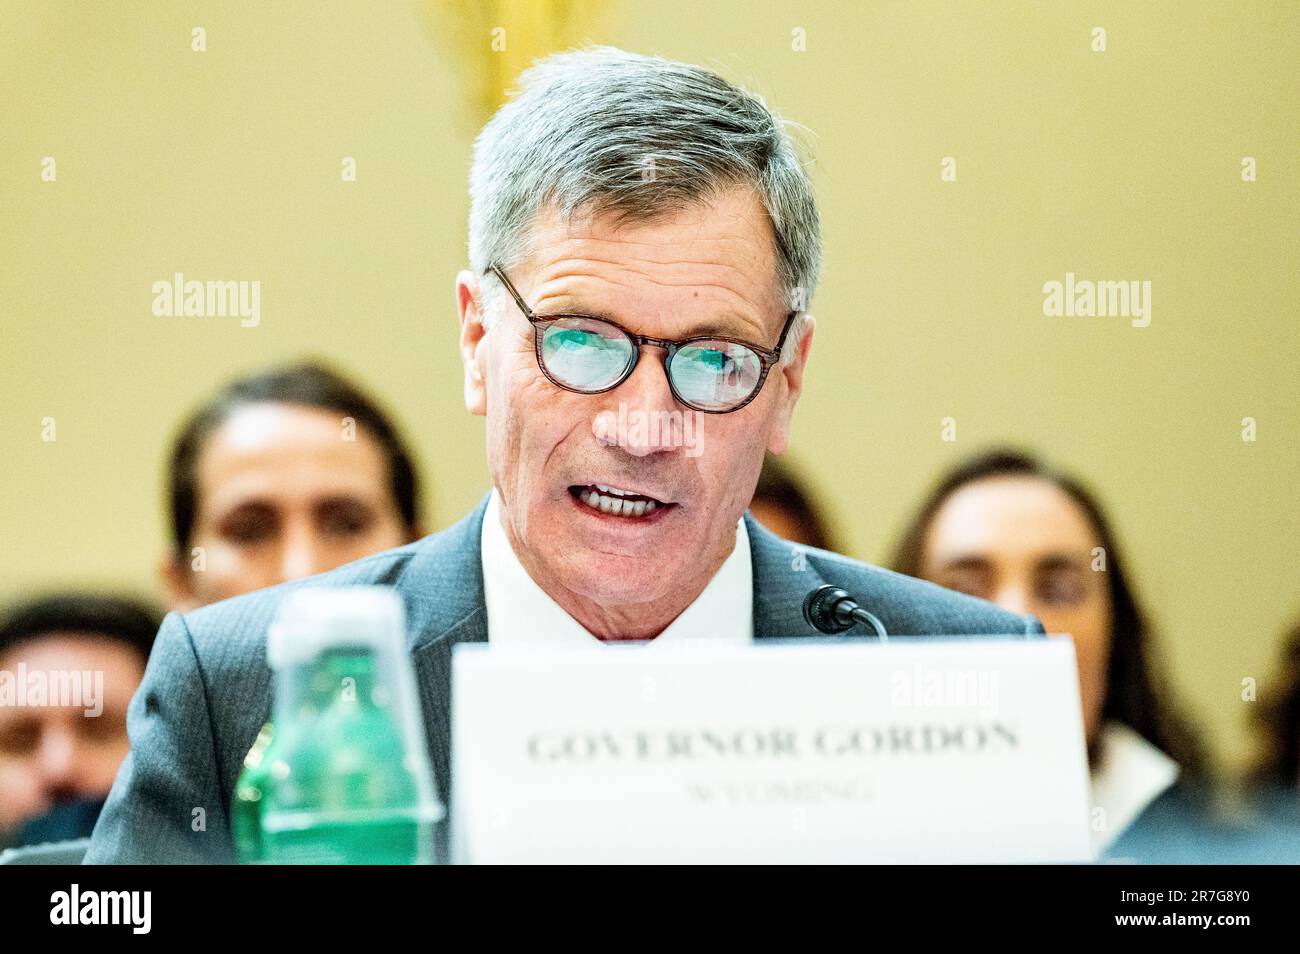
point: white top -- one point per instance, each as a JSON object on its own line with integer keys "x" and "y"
{"x": 1130, "y": 774}
{"x": 522, "y": 616}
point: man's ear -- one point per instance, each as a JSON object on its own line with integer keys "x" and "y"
{"x": 472, "y": 331}
{"x": 178, "y": 589}
{"x": 792, "y": 375}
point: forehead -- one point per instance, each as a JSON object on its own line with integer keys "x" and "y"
{"x": 717, "y": 255}
{"x": 1009, "y": 517}
{"x": 72, "y": 650}
{"x": 288, "y": 446}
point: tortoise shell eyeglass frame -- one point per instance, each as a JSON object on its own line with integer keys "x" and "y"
{"x": 767, "y": 357}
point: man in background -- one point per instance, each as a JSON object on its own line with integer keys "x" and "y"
{"x": 280, "y": 475}
{"x": 69, "y": 664}
{"x": 783, "y": 503}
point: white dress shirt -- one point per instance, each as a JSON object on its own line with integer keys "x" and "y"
{"x": 1130, "y": 774}
{"x": 522, "y": 616}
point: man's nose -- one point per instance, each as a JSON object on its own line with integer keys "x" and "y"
{"x": 1014, "y": 598}
{"x": 645, "y": 418}
{"x": 56, "y": 760}
{"x": 301, "y": 555}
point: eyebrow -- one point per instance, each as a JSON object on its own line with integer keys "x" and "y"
{"x": 250, "y": 504}
{"x": 1061, "y": 561}
{"x": 340, "y": 502}
{"x": 966, "y": 562}
{"x": 1052, "y": 561}
{"x": 711, "y": 328}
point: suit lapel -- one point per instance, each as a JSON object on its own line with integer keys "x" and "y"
{"x": 444, "y": 587}
{"x": 433, "y": 674}
{"x": 782, "y": 578}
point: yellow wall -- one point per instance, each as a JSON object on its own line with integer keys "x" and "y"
{"x": 1116, "y": 165}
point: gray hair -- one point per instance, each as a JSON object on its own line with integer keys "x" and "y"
{"x": 603, "y": 130}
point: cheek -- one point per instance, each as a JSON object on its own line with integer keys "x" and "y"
{"x": 17, "y": 781}
{"x": 388, "y": 533}
{"x": 731, "y": 460}
{"x": 18, "y": 795}
{"x": 103, "y": 761}
{"x": 229, "y": 570}
{"x": 225, "y": 561}
{"x": 529, "y": 424}
{"x": 516, "y": 395}
{"x": 1093, "y": 626}
{"x": 1092, "y": 662}
{"x": 1089, "y": 627}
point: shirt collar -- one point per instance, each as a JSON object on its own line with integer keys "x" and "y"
{"x": 521, "y": 615}
{"x": 1130, "y": 774}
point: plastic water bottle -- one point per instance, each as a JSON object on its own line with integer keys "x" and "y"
{"x": 246, "y": 810}
{"x": 344, "y": 777}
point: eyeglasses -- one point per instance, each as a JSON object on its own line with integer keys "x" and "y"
{"x": 589, "y": 355}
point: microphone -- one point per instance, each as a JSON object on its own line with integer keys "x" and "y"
{"x": 829, "y": 609}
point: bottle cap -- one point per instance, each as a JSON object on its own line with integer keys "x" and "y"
{"x": 311, "y": 620}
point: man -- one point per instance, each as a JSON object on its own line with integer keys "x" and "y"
{"x": 279, "y": 475}
{"x": 69, "y": 664}
{"x": 643, "y": 239}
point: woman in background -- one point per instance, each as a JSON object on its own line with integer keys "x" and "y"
{"x": 1005, "y": 528}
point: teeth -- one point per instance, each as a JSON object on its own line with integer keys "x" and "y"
{"x": 615, "y": 491}
{"x": 615, "y": 505}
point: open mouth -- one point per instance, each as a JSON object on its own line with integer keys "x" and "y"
{"x": 617, "y": 502}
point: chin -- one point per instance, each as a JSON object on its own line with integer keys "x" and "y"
{"x": 613, "y": 578}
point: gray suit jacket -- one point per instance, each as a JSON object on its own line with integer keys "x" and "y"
{"x": 207, "y": 688}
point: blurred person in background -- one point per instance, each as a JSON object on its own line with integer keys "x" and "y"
{"x": 69, "y": 664}
{"x": 783, "y": 504}
{"x": 281, "y": 475}
{"x": 1004, "y": 527}
{"x": 1279, "y": 718}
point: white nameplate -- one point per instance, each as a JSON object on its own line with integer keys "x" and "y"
{"x": 965, "y": 750}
